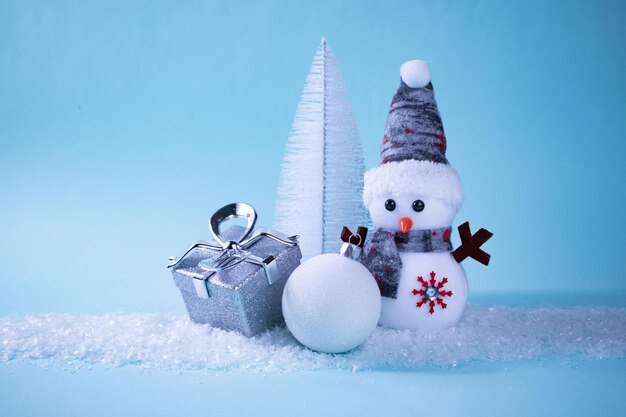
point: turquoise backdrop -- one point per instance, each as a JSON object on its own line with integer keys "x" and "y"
{"x": 124, "y": 124}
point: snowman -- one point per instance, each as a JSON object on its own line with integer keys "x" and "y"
{"x": 413, "y": 197}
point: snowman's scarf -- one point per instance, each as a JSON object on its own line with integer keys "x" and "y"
{"x": 381, "y": 254}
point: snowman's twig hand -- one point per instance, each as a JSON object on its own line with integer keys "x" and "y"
{"x": 470, "y": 245}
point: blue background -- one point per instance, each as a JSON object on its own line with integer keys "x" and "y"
{"x": 123, "y": 125}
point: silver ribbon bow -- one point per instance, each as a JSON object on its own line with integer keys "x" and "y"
{"x": 232, "y": 253}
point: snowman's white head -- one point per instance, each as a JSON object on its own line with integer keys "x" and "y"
{"x": 418, "y": 194}
{"x": 410, "y": 211}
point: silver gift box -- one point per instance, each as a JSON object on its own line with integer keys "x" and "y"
{"x": 236, "y": 281}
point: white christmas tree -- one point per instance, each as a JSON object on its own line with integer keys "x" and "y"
{"x": 321, "y": 182}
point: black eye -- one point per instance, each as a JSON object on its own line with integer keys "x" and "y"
{"x": 390, "y": 205}
{"x": 418, "y": 205}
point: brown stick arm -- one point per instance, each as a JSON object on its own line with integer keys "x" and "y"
{"x": 470, "y": 245}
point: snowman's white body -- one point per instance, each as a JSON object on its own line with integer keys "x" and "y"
{"x": 402, "y": 312}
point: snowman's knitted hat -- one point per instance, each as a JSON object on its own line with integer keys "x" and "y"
{"x": 413, "y": 153}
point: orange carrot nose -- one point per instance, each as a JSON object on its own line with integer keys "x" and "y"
{"x": 405, "y": 224}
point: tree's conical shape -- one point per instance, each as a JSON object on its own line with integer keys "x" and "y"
{"x": 321, "y": 182}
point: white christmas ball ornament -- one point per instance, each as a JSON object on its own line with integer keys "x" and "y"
{"x": 331, "y": 303}
{"x": 415, "y": 73}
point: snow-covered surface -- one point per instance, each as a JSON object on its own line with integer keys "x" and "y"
{"x": 163, "y": 341}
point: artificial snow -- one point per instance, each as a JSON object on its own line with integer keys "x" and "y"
{"x": 170, "y": 341}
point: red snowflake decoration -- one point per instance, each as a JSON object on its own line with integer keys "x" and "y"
{"x": 432, "y": 292}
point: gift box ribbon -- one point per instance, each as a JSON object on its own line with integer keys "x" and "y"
{"x": 231, "y": 252}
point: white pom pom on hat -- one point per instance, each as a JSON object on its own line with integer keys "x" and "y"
{"x": 415, "y": 73}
